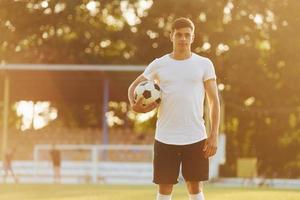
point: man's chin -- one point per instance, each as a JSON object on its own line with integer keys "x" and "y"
{"x": 183, "y": 49}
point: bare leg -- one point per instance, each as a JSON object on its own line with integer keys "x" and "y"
{"x": 56, "y": 174}
{"x": 13, "y": 175}
{"x": 194, "y": 187}
{"x": 195, "y": 190}
{"x": 165, "y": 189}
{"x": 5, "y": 175}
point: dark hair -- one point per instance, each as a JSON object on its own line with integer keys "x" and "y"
{"x": 182, "y": 22}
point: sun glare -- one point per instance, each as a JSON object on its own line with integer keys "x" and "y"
{"x": 93, "y": 7}
{"x": 35, "y": 115}
{"x": 258, "y": 19}
{"x": 129, "y": 13}
{"x": 249, "y": 101}
{"x": 142, "y": 117}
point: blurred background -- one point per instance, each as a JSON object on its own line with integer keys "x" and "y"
{"x": 66, "y": 65}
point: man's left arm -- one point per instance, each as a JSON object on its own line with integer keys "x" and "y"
{"x": 211, "y": 89}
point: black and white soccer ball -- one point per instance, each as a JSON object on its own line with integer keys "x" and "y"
{"x": 149, "y": 91}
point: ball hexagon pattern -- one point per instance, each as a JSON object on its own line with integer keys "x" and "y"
{"x": 148, "y": 91}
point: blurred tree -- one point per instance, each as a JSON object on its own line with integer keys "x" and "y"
{"x": 66, "y": 31}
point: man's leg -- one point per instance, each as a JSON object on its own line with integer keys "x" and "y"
{"x": 13, "y": 175}
{"x": 164, "y": 192}
{"x": 166, "y": 165}
{"x": 195, "y": 190}
{"x": 5, "y": 174}
{"x": 195, "y": 169}
{"x": 56, "y": 174}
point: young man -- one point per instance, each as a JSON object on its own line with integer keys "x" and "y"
{"x": 7, "y": 165}
{"x": 56, "y": 162}
{"x": 180, "y": 137}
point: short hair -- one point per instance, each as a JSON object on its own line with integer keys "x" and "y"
{"x": 182, "y": 22}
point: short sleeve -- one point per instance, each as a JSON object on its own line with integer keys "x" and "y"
{"x": 151, "y": 70}
{"x": 209, "y": 72}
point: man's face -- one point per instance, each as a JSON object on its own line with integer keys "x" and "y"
{"x": 182, "y": 38}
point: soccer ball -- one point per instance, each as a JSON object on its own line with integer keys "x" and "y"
{"x": 148, "y": 91}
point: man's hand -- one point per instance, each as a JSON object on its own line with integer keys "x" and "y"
{"x": 210, "y": 146}
{"x": 140, "y": 108}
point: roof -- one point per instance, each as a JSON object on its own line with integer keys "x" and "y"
{"x": 67, "y": 83}
{"x": 70, "y": 67}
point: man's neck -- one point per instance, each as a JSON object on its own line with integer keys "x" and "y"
{"x": 181, "y": 55}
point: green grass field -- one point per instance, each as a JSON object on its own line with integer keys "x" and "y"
{"x": 112, "y": 192}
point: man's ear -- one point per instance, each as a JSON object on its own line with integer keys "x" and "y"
{"x": 193, "y": 37}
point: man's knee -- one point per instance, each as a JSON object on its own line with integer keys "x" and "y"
{"x": 165, "y": 189}
{"x": 194, "y": 187}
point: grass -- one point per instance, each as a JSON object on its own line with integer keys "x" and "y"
{"x": 114, "y": 192}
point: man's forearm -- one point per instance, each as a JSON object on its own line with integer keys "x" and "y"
{"x": 132, "y": 88}
{"x": 215, "y": 117}
{"x": 131, "y": 93}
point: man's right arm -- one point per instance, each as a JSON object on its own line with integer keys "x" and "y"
{"x": 132, "y": 87}
{"x": 137, "y": 105}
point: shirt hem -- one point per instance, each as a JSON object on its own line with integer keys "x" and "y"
{"x": 167, "y": 141}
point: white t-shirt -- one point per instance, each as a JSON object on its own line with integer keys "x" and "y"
{"x": 180, "y": 114}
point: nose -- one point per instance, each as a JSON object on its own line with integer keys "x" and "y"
{"x": 183, "y": 38}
